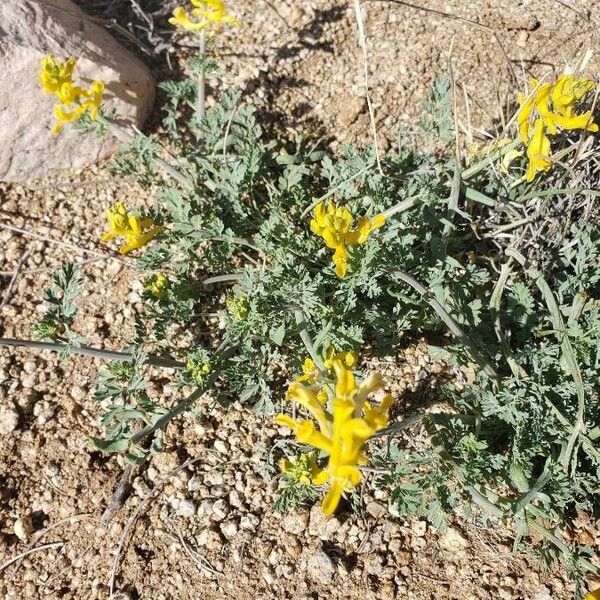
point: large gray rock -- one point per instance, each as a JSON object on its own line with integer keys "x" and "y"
{"x": 29, "y": 30}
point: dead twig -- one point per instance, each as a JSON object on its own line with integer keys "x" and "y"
{"x": 28, "y": 552}
{"x": 201, "y": 563}
{"x": 142, "y": 507}
{"x": 363, "y": 44}
{"x": 119, "y": 495}
{"x": 454, "y": 17}
{"x": 15, "y": 276}
{"x": 68, "y": 245}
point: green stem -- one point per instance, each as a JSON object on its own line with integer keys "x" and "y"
{"x": 450, "y": 322}
{"x": 221, "y": 354}
{"x": 167, "y": 168}
{"x": 306, "y": 339}
{"x": 223, "y": 278}
{"x": 400, "y": 207}
{"x": 156, "y": 361}
{"x": 489, "y": 160}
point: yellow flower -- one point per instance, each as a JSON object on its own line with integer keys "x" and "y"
{"x": 206, "y": 14}
{"x": 333, "y": 223}
{"x": 552, "y": 107}
{"x": 74, "y": 101}
{"x": 237, "y": 307}
{"x": 528, "y": 104}
{"x": 158, "y": 286}
{"x": 568, "y": 90}
{"x": 348, "y": 358}
{"x": 342, "y": 431}
{"x": 310, "y": 372}
{"x": 303, "y": 469}
{"x": 538, "y": 151}
{"x": 594, "y": 595}
{"x": 136, "y": 231}
{"x": 53, "y": 76}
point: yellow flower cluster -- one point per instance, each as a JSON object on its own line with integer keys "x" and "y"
{"x": 552, "y": 108}
{"x": 303, "y": 468}
{"x": 342, "y": 421}
{"x": 57, "y": 79}
{"x": 158, "y": 286}
{"x": 206, "y": 14}
{"x": 334, "y": 224}
{"x": 136, "y": 231}
{"x": 237, "y": 307}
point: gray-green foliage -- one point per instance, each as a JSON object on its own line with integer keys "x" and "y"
{"x": 57, "y": 322}
{"x": 246, "y": 273}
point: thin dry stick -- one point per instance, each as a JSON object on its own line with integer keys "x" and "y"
{"x": 136, "y": 515}
{"x": 52, "y": 268}
{"x": 156, "y": 361}
{"x": 50, "y": 528}
{"x": 450, "y": 322}
{"x": 14, "y": 278}
{"x": 201, "y": 563}
{"x": 201, "y": 88}
{"x": 28, "y": 552}
{"x": 363, "y": 44}
{"x": 68, "y": 245}
{"x": 119, "y": 496}
{"x": 454, "y": 17}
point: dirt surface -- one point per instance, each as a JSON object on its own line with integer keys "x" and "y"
{"x": 200, "y": 522}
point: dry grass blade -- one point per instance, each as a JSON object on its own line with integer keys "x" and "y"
{"x": 136, "y": 515}
{"x": 363, "y": 44}
{"x": 14, "y": 559}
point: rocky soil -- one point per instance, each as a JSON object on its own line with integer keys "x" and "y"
{"x": 200, "y": 521}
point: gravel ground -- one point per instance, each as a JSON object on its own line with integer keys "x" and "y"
{"x": 205, "y": 526}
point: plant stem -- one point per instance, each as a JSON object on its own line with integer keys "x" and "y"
{"x": 400, "y": 207}
{"x": 201, "y": 98}
{"x": 167, "y": 168}
{"x": 305, "y": 336}
{"x": 155, "y": 361}
{"x": 452, "y": 325}
{"x": 220, "y": 354}
{"x": 488, "y": 160}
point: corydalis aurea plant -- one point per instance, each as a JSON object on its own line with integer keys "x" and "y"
{"x": 552, "y": 107}
{"x": 342, "y": 421}
{"x": 205, "y": 14}
{"x": 334, "y": 224}
{"x": 75, "y": 102}
{"x": 136, "y": 231}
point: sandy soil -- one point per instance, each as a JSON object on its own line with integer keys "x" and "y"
{"x": 200, "y": 522}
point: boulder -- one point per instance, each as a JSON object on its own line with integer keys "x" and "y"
{"x": 32, "y": 29}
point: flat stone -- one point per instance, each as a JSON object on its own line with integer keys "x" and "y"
{"x": 320, "y": 568}
{"x": 453, "y": 541}
{"x": 295, "y": 521}
{"x": 9, "y": 420}
{"x": 31, "y": 30}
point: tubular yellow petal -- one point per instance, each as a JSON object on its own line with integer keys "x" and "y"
{"x": 332, "y": 498}
{"x": 377, "y": 221}
{"x": 285, "y": 466}
{"x": 371, "y": 384}
{"x": 538, "y": 151}
{"x": 523, "y": 114}
{"x": 286, "y": 421}
{"x": 299, "y": 393}
{"x": 346, "y": 383}
{"x": 320, "y": 477}
{"x": 350, "y": 474}
{"x": 306, "y": 433}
